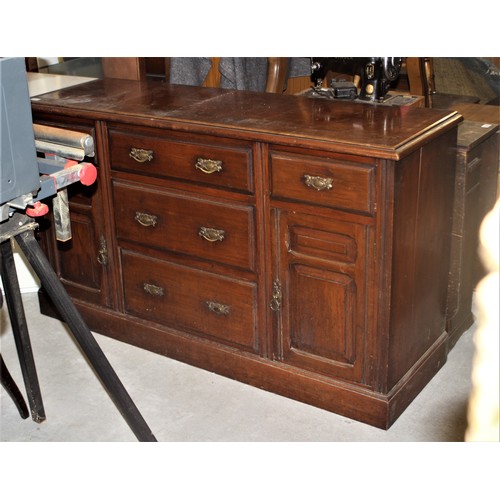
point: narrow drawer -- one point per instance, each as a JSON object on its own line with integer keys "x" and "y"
{"x": 84, "y": 128}
{"x": 190, "y": 225}
{"x": 325, "y": 182}
{"x": 222, "y": 164}
{"x": 202, "y": 303}
{"x": 473, "y": 172}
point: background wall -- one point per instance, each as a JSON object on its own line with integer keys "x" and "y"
{"x": 28, "y": 281}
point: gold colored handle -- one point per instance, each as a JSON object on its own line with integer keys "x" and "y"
{"x": 141, "y": 155}
{"x": 219, "y": 309}
{"x": 211, "y": 234}
{"x": 318, "y": 183}
{"x": 154, "y": 290}
{"x": 208, "y": 166}
{"x": 275, "y": 303}
{"x": 146, "y": 220}
{"x": 102, "y": 254}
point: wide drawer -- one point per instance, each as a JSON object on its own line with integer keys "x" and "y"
{"x": 196, "y": 301}
{"x": 178, "y": 222}
{"x": 332, "y": 183}
{"x": 220, "y": 163}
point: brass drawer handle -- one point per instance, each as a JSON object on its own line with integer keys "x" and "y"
{"x": 318, "y": 183}
{"x": 208, "y": 166}
{"x": 141, "y": 155}
{"x": 211, "y": 234}
{"x": 219, "y": 309}
{"x": 146, "y": 220}
{"x": 156, "y": 291}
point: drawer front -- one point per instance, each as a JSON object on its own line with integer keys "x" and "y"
{"x": 326, "y": 182}
{"x": 218, "y": 164}
{"x": 176, "y": 222}
{"x": 200, "y": 302}
{"x": 84, "y": 128}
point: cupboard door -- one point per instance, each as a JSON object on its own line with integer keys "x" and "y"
{"x": 322, "y": 271}
{"x": 82, "y": 262}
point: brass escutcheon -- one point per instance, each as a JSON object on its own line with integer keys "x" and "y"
{"x": 275, "y": 303}
{"x": 141, "y": 155}
{"x": 102, "y": 254}
{"x": 208, "y": 166}
{"x": 318, "y": 183}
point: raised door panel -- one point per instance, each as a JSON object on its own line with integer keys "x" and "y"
{"x": 322, "y": 314}
{"x": 322, "y": 281}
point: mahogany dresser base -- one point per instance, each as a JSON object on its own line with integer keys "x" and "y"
{"x": 297, "y": 245}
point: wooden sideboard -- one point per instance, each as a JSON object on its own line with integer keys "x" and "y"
{"x": 298, "y": 245}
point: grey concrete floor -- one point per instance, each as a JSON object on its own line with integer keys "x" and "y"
{"x": 181, "y": 403}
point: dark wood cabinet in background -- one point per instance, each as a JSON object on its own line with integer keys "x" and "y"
{"x": 475, "y": 194}
{"x": 298, "y": 245}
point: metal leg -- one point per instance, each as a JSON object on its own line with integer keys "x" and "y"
{"x": 83, "y": 335}
{"x": 12, "y": 390}
{"x": 20, "y": 331}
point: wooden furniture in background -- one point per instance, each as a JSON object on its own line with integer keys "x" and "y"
{"x": 295, "y": 244}
{"x": 138, "y": 68}
{"x": 276, "y": 74}
{"x": 475, "y": 195}
{"x": 448, "y": 82}
{"x": 130, "y": 68}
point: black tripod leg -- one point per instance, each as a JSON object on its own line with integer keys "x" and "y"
{"x": 83, "y": 336}
{"x": 12, "y": 390}
{"x": 20, "y": 331}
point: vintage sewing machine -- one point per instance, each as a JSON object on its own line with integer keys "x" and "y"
{"x": 375, "y": 77}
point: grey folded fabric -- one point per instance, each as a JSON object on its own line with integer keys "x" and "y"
{"x": 240, "y": 73}
{"x": 189, "y": 70}
{"x": 243, "y": 73}
{"x": 299, "y": 66}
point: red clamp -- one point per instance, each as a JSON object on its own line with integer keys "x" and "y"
{"x": 37, "y": 210}
{"x": 87, "y": 173}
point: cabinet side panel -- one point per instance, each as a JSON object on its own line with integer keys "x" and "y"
{"x": 424, "y": 184}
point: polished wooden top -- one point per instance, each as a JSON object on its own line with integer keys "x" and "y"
{"x": 345, "y": 126}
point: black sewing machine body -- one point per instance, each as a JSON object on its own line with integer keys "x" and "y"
{"x": 376, "y": 75}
